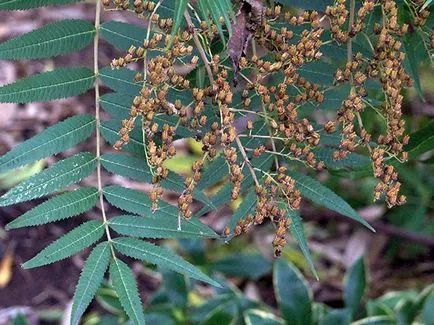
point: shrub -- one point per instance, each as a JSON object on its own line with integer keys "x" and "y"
{"x": 255, "y": 87}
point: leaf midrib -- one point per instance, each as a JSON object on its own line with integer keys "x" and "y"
{"x": 65, "y": 206}
{"x": 46, "y": 86}
{"x": 91, "y": 275}
{"x": 169, "y": 261}
{"x": 88, "y": 234}
{"x": 126, "y": 290}
{"x": 132, "y": 225}
{"x": 45, "y": 42}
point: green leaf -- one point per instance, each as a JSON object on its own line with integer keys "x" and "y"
{"x": 152, "y": 227}
{"x": 319, "y": 5}
{"x": 177, "y": 287}
{"x": 213, "y": 173}
{"x": 292, "y": 294}
{"x": 297, "y": 231}
{"x": 134, "y": 201}
{"x": 160, "y": 256}
{"x": 223, "y": 195}
{"x": 74, "y": 241}
{"x": 261, "y": 317}
{"x": 355, "y": 285}
{"x": 56, "y": 84}
{"x": 420, "y": 141}
{"x": 337, "y": 316}
{"x": 411, "y": 62}
{"x": 120, "y": 80}
{"x": 247, "y": 206}
{"x": 118, "y": 105}
{"x": 57, "y": 208}
{"x": 59, "y": 175}
{"x": 54, "y": 39}
{"x": 243, "y": 265}
{"x": 29, "y": 4}
{"x": 126, "y": 288}
{"x": 90, "y": 280}
{"x": 110, "y": 132}
{"x": 376, "y": 320}
{"x": 55, "y": 139}
{"x": 318, "y": 193}
{"x": 122, "y": 35}
{"x": 138, "y": 170}
{"x": 180, "y": 7}
{"x": 427, "y": 314}
{"x": 352, "y": 161}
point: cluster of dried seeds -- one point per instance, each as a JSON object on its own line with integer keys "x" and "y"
{"x": 289, "y": 135}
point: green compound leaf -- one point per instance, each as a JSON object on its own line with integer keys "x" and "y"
{"x": 110, "y": 132}
{"x": 152, "y": 227}
{"x": 90, "y": 280}
{"x": 134, "y": 201}
{"x": 30, "y": 4}
{"x": 74, "y": 241}
{"x": 57, "y": 208}
{"x": 58, "y": 176}
{"x": 318, "y": 193}
{"x": 56, "y": 84}
{"x": 160, "y": 256}
{"x": 352, "y": 161}
{"x": 138, "y": 170}
{"x": 54, "y": 39}
{"x": 55, "y": 139}
{"x": 126, "y": 288}
{"x": 292, "y": 294}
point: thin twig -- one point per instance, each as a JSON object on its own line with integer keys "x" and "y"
{"x": 199, "y": 47}
{"x": 247, "y": 161}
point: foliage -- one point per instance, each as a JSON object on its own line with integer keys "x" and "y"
{"x": 260, "y": 138}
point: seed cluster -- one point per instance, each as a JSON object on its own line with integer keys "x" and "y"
{"x": 276, "y": 107}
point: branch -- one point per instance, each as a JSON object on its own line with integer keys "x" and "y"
{"x": 98, "y": 121}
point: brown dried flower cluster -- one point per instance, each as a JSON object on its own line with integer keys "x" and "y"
{"x": 212, "y": 112}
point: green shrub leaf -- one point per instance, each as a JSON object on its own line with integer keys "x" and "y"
{"x": 74, "y": 241}
{"x": 30, "y": 4}
{"x": 318, "y": 193}
{"x": 138, "y": 170}
{"x": 355, "y": 285}
{"x": 57, "y": 208}
{"x": 120, "y": 80}
{"x": 154, "y": 227}
{"x": 56, "y": 84}
{"x": 55, "y": 139}
{"x": 134, "y": 201}
{"x": 239, "y": 265}
{"x": 297, "y": 230}
{"x": 292, "y": 294}
{"x": 421, "y": 141}
{"x": 159, "y": 256}
{"x": 90, "y": 280}
{"x": 54, "y": 39}
{"x": 58, "y": 176}
{"x": 110, "y": 132}
{"x": 122, "y": 35}
{"x": 178, "y": 17}
{"x": 247, "y": 206}
{"x": 261, "y": 317}
{"x": 126, "y": 288}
